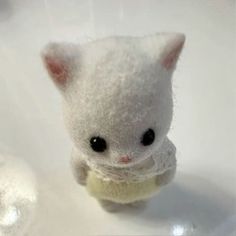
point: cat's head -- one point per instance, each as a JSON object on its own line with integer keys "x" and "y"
{"x": 117, "y": 94}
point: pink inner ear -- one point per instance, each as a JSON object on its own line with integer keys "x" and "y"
{"x": 57, "y": 69}
{"x": 171, "y": 57}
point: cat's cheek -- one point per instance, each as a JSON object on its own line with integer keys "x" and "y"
{"x": 72, "y": 125}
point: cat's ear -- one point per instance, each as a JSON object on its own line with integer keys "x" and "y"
{"x": 60, "y": 60}
{"x": 171, "y": 50}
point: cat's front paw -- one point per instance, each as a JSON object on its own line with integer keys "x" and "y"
{"x": 81, "y": 179}
{"x": 80, "y": 170}
{"x": 166, "y": 177}
{"x": 81, "y": 175}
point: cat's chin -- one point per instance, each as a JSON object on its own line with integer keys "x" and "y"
{"x": 130, "y": 164}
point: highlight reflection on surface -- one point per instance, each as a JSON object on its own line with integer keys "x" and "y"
{"x": 178, "y": 230}
{"x": 183, "y": 229}
{"x": 10, "y": 217}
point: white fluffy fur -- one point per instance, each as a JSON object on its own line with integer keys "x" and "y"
{"x": 17, "y": 196}
{"x": 117, "y": 88}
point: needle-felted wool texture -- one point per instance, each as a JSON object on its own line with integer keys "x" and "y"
{"x": 117, "y": 100}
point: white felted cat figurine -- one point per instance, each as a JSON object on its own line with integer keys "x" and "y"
{"x": 117, "y": 97}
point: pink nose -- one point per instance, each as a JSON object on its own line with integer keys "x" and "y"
{"x": 125, "y": 159}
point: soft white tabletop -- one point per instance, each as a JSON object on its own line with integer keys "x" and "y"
{"x": 202, "y": 199}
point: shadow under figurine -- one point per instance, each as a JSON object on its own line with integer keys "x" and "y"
{"x": 117, "y": 100}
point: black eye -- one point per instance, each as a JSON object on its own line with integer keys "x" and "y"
{"x": 148, "y": 137}
{"x": 98, "y": 144}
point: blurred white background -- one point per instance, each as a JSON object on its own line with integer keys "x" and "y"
{"x": 202, "y": 199}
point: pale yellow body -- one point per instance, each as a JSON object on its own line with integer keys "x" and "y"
{"x": 120, "y": 192}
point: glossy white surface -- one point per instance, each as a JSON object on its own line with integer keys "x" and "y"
{"x": 201, "y": 201}
{"x": 18, "y": 196}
